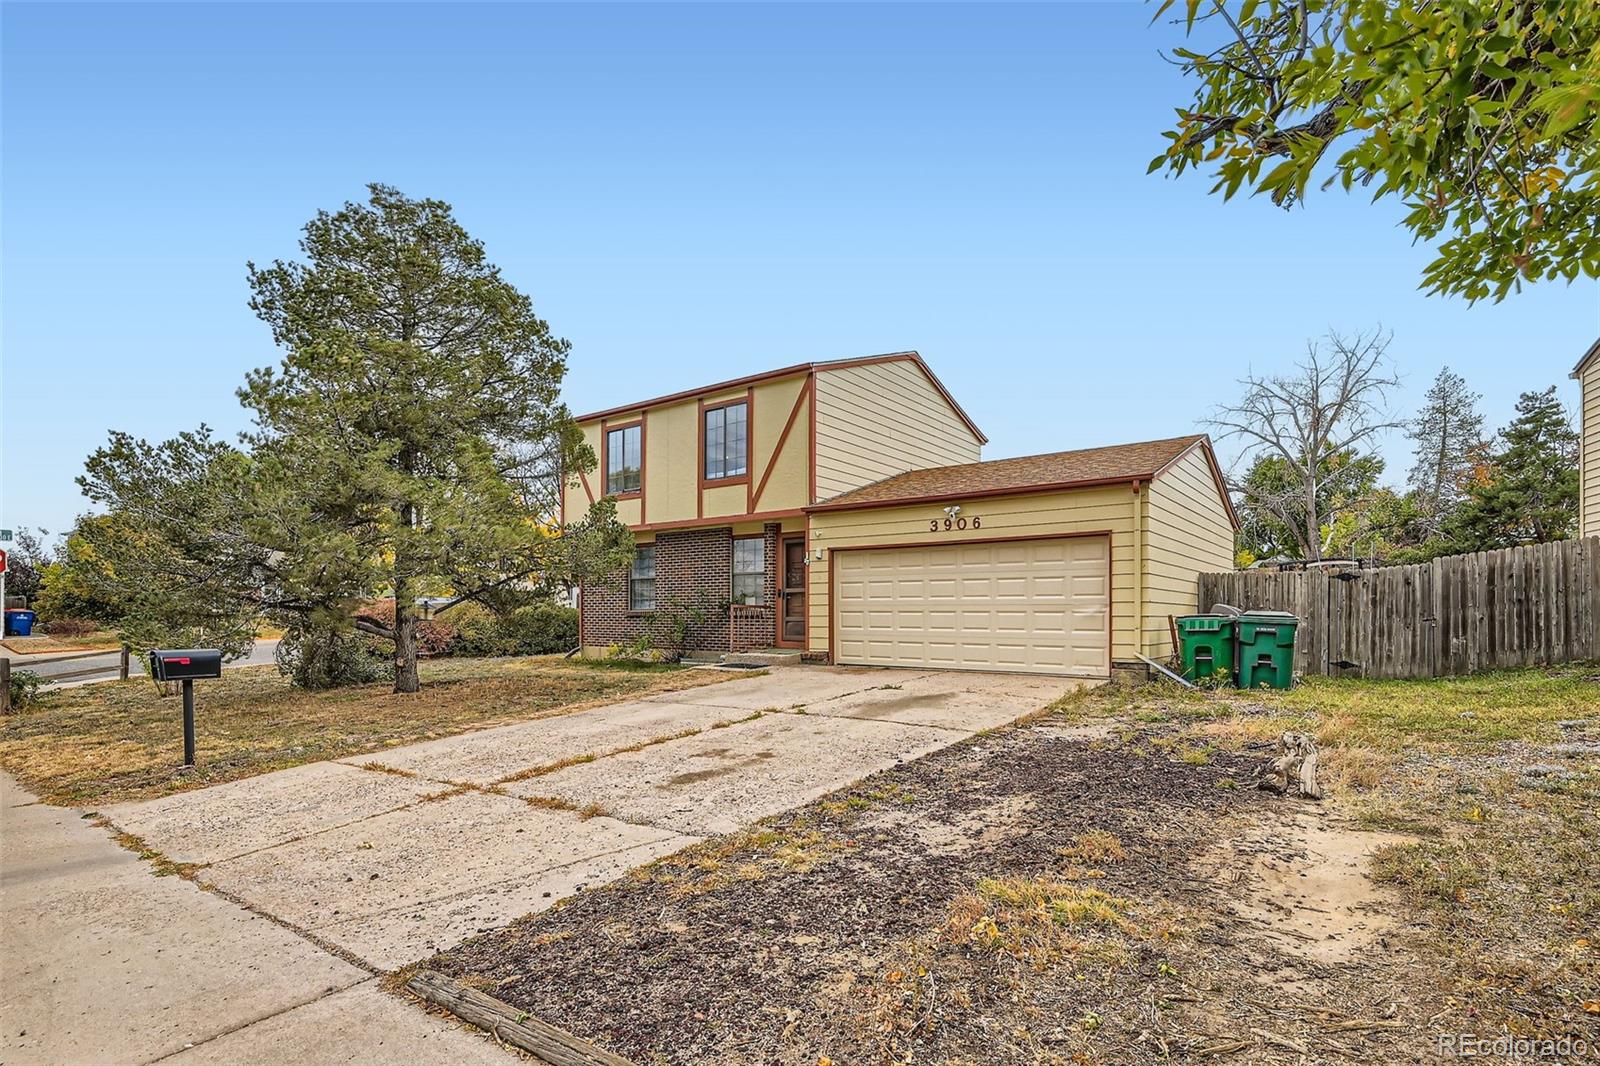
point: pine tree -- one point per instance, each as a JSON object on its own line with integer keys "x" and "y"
{"x": 1532, "y": 493}
{"x": 1445, "y": 433}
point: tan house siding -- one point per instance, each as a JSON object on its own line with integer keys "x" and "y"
{"x": 1589, "y": 507}
{"x": 884, "y": 418}
{"x": 673, "y": 493}
{"x": 1188, "y": 533}
{"x": 1099, "y": 510}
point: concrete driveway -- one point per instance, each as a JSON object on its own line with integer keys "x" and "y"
{"x": 364, "y": 865}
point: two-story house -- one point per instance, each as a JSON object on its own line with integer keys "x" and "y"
{"x": 1587, "y": 374}
{"x": 841, "y": 508}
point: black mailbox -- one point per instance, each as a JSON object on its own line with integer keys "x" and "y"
{"x": 185, "y": 664}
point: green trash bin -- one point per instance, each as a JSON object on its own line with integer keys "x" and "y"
{"x": 1205, "y": 646}
{"x": 1266, "y": 649}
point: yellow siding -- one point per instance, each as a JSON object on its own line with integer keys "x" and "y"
{"x": 1107, "y": 510}
{"x": 672, "y": 490}
{"x": 789, "y": 482}
{"x": 670, "y": 477}
{"x": 1187, "y": 534}
{"x": 882, "y": 419}
{"x": 1589, "y": 508}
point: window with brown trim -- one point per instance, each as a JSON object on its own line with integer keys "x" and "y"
{"x": 727, "y": 443}
{"x": 642, "y": 579}
{"x": 749, "y": 570}
{"x": 624, "y": 461}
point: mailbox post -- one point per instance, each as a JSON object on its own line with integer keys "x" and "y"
{"x": 186, "y": 665}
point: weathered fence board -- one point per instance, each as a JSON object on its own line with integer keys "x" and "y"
{"x": 1525, "y": 606}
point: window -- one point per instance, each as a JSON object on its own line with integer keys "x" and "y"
{"x": 749, "y": 570}
{"x": 726, "y": 434}
{"x": 623, "y": 461}
{"x": 642, "y": 579}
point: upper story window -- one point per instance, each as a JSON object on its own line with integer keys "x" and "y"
{"x": 624, "y": 460}
{"x": 727, "y": 441}
{"x": 642, "y": 579}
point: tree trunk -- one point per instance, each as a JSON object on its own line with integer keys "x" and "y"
{"x": 405, "y": 638}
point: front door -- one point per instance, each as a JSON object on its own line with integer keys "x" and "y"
{"x": 792, "y": 593}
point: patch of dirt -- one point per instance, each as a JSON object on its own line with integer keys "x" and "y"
{"x": 1304, "y": 882}
{"x": 1032, "y": 895}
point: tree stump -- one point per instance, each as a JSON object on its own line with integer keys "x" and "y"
{"x": 1292, "y": 770}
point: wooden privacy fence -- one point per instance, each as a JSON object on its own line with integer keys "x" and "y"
{"x": 1513, "y": 607}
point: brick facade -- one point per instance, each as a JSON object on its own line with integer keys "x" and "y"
{"x": 694, "y": 572}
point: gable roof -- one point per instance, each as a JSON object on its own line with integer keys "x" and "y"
{"x": 789, "y": 371}
{"x": 1594, "y": 350}
{"x": 1083, "y": 468}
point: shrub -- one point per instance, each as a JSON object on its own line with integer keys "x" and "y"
{"x": 435, "y": 637}
{"x": 25, "y": 686}
{"x": 70, "y": 627}
{"x": 542, "y": 629}
{"x": 319, "y": 657}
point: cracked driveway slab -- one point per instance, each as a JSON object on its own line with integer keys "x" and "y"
{"x": 380, "y": 857}
{"x": 494, "y": 754}
{"x": 358, "y": 1026}
{"x": 243, "y": 816}
{"x": 721, "y": 780}
{"x": 397, "y": 887}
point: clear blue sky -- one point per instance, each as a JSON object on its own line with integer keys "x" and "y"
{"x": 688, "y": 193}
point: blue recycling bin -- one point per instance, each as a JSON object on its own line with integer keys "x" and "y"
{"x": 19, "y": 623}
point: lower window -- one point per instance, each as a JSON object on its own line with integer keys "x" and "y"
{"x": 749, "y": 570}
{"x": 642, "y": 579}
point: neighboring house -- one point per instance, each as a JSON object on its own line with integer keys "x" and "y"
{"x": 1587, "y": 373}
{"x": 841, "y": 508}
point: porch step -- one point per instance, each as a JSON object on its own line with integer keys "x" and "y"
{"x": 756, "y": 657}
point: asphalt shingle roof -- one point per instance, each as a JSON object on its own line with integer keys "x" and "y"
{"x": 1086, "y": 466}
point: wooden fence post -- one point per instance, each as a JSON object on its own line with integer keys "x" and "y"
{"x": 122, "y": 668}
{"x": 5, "y": 685}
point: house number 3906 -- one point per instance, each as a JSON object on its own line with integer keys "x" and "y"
{"x": 975, "y": 522}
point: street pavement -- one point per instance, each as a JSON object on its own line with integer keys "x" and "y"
{"x": 80, "y": 668}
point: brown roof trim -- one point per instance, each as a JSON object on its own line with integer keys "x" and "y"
{"x": 1009, "y": 490}
{"x": 1131, "y": 478}
{"x": 1216, "y": 475}
{"x": 1594, "y": 350}
{"x": 790, "y": 371}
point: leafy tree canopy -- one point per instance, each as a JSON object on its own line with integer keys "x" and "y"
{"x": 412, "y": 442}
{"x": 1532, "y": 493}
{"x": 1483, "y": 117}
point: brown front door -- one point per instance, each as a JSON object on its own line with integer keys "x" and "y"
{"x": 792, "y": 593}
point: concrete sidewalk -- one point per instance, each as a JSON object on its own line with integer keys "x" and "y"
{"x": 101, "y": 962}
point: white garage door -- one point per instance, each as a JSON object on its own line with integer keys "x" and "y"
{"x": 1040, "y": 606}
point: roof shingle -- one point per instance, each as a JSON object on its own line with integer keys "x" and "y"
{"x": 1055, "y": 470}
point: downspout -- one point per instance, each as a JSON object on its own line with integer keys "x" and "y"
{"x": 1138, "y": 567}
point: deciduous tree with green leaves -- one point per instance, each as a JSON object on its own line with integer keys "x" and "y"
{"x": 1481, "y": 116}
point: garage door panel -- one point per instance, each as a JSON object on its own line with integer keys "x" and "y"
{"x": 1039, "y": 605}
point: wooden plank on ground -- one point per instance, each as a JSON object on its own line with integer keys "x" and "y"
{"x": 542, "y": 1040}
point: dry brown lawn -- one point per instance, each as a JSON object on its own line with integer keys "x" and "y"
{"x": 117, "y": 741}
{"x": 1101, "y": 883}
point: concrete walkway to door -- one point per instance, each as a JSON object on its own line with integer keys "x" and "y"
{"x": 327, "y": 873}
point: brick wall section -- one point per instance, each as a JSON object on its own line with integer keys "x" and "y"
{"x": 694, "y": 568}
{"x": 753, "y": 627}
